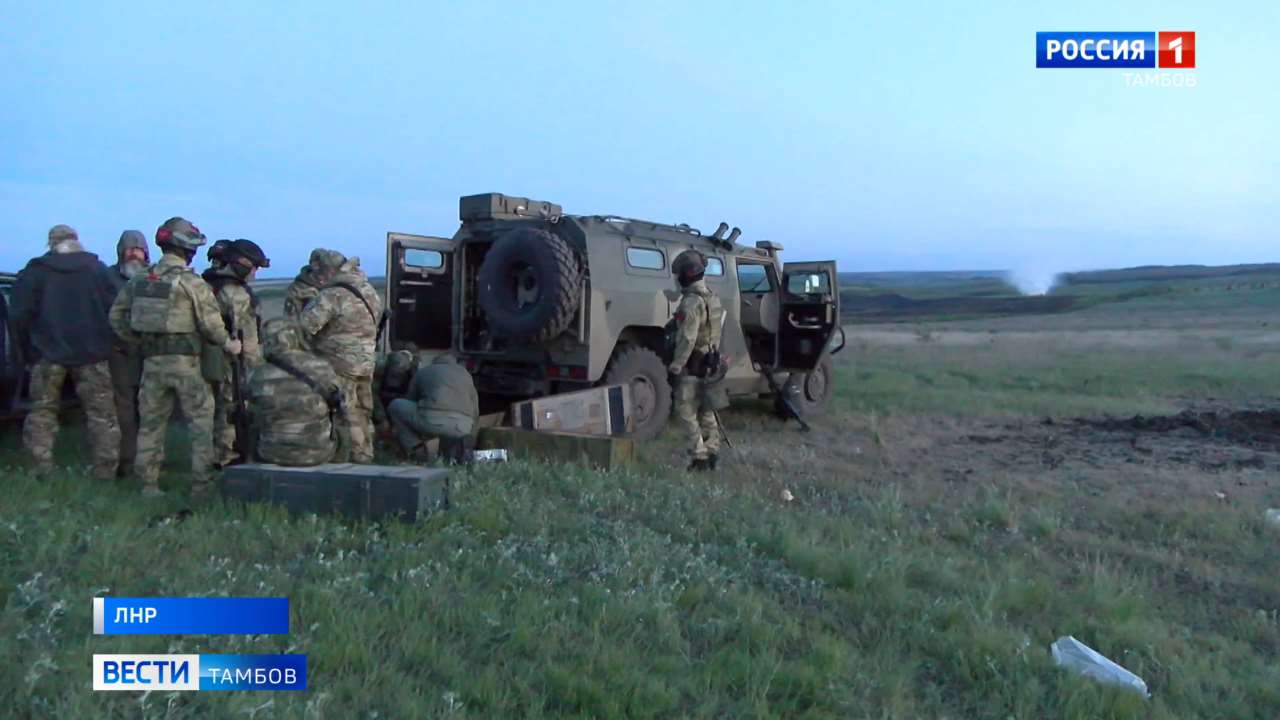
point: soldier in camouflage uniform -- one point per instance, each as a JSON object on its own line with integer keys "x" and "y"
{"x": 132, "y": 258}
{"x": 59, "y": 315}
{"x": 238, "y": 264}
{"x": 698, "y": 394}
{"x": 171, "y": 314}
{"x": 441, "y": 403}
{"x": 391, "y": 377}
{"x": 341, "y": 323}
{"x": 304, "y": 288}
{"x": 293, "y": 399}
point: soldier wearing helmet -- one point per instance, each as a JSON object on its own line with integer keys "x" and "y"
{"x": 234, "y": 267}
{"x": 696, "y": 362}
{"x": 170, "y": 314}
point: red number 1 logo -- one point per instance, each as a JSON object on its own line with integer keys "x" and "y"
{"x": 1177, "y": 49}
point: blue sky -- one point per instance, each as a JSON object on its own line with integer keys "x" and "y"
{"x": 886, "y": 136}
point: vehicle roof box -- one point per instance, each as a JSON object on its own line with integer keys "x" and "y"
{"x": 771, "y": 247}
{"x": 496, "y": 206}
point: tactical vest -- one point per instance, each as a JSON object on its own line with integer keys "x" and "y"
{"x": 167, "y": 326}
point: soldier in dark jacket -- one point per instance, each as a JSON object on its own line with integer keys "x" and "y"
{"x": 442, "y": 403}
{"x": 132, "y": 257}
{"x": 60, "y": 304}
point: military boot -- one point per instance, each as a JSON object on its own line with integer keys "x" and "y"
{"x": 699, "y": 465}
{"x": 712, "y": 460}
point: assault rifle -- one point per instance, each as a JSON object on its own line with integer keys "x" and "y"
{"x": 239, "y": 404}
{"x": 784, "y": 401}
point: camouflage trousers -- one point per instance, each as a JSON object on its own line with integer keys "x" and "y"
{"x": 356, "y": 428}
{"x": 166, "y": 380}
{"x": 224, "y": 426}
{"x": 93, "y": 386}
{"x": 695, "y": 410}
{"x": 126, "y": 374}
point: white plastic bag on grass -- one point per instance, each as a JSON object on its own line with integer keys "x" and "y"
{"x": 1072, "y": 654}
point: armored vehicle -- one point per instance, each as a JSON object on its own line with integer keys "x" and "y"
{"x": 536, "y": 302}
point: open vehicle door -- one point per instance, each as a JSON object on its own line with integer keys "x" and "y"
{"x": 421, "y": 273}
{"x": 810, "y": 313}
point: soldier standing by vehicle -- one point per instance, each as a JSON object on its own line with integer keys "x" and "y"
{"x": 304, "y": 288}
{"x": 60, "y": 303}
{"x": 341, "y": 323}
{"x": 441, "y": 403}
{"x": 295, "y": 400}
{"x": 126, "y": 362}
{"x": 230, "y": 279}
{"x": 696, "y": 360}
{"x": 171, "y": 314}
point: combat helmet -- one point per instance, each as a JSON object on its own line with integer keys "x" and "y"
{"x": 180, "y": 233}
{"x": 689, "y": 266}
{"x": 250, "y": 251}
{"x": 218, "y": 252}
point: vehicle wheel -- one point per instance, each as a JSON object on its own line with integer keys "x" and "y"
{"x": 529, "y": 285}
{"x": 644, "y": 371}
{"x": 810, "y": 392}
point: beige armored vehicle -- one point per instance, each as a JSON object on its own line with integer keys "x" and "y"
{"x": 536, "y": 302}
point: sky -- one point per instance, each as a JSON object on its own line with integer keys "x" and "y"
{"x": 886, "y": 136}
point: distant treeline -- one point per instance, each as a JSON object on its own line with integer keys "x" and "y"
{"x": 1156, "y": 273}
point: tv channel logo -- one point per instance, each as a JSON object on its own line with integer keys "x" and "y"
{"x": 1175, "y": 50}
{"x": 141, "y": 673}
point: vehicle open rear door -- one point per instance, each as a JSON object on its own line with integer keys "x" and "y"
{"x": 810, "y": 313}
{"x": 421, "y": 274}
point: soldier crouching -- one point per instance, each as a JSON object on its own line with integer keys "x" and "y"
{"x": 294, "y": 399}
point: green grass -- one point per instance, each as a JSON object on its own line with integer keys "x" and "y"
{"x": 881, "y": 591}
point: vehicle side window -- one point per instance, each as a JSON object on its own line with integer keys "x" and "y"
{"x": 715, "y": 266}
{"x": 646, "y": 259}
{"x": 419, "y": 258}
{"x": 753, "y": 278}
{"x": 808, "y": 283}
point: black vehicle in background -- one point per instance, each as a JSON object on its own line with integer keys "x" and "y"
{"x": 13, "y": 379}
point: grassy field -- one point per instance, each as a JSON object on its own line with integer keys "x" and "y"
{"x": 950, "y": 519}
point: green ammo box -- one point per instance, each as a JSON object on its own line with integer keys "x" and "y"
{"x": 367, "y": 492}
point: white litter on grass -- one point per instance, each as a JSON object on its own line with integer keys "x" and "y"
{"x": 1072, "y": 654}
{"x": 787, "y": 496}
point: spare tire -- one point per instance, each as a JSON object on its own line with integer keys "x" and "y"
{"x": 529, "y": 285}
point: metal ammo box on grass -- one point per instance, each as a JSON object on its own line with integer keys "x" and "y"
{"x": 367, "y": 492}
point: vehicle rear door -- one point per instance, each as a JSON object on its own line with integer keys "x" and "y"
{"x": 810, "y": 313}
{"x": 421, "y": 277}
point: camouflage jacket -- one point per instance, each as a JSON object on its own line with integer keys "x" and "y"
{"x": 291, "y": 420}
{"x": 301, "y": 291}
{"x": 698, "y": 322}
{"x": 237, "y": 302}
{"x": 445, "y": 386}
{"x": 194, "y": 306}
{"x": 342, "y": 327}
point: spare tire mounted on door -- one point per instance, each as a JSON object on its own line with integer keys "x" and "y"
{"x": 529, "y": 285}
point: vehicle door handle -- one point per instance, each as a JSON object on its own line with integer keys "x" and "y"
{"x": 747, "y": 303}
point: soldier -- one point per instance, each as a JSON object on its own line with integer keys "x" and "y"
{"x": 170, "y": 313}
{"x": 229, "y": 277}
{"x": 304, "y": 288}
{"x": 391, "y": 377}
{"x": 294, "y": 398}
{"x": 696, "y": 360}
{"x": 341, "y": 323}
{"x": 126, "y": 362}
{"x": 442, "y": 402}
{"x": 60, "y": 303}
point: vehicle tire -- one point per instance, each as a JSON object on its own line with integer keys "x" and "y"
{"x": 529, "y": 285}
{"x": 644, "y": 371}
{"x": 810, "y": 392}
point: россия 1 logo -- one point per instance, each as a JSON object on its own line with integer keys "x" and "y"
{"x": 1165, "y": 49}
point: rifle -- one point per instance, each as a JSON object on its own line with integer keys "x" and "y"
{"x": 788, "y": 408}
{"x": 239, "y": 407}
{"x": 723, "y": 435}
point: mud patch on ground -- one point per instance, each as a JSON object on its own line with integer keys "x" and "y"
{"x": 1248, "y": 428}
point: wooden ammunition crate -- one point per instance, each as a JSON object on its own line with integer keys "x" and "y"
{"x": 368, "y": 492}
{"x": 604, "y": 410}
{"x": 600, "y": 451}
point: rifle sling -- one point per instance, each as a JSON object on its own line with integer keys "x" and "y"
{"x": 330, "y": 398}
